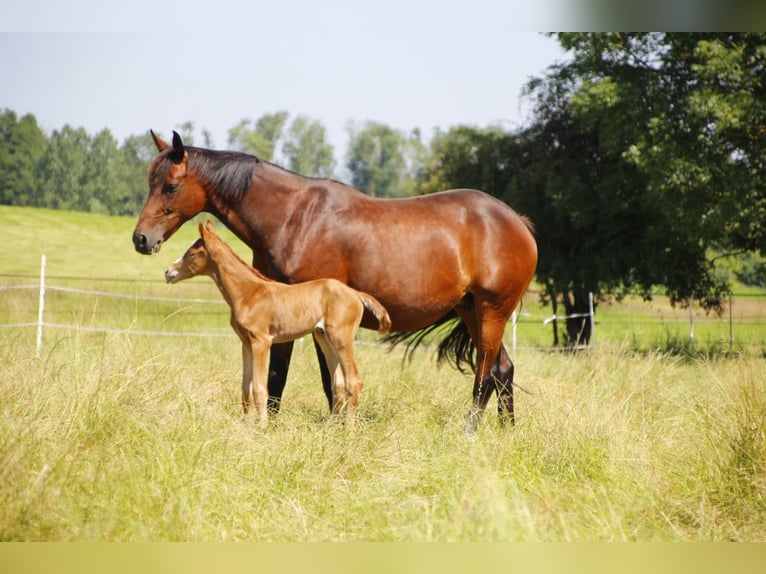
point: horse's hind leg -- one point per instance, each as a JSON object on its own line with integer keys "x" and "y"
{"x": 502, "y": 374}
{"x": 488, "y": 340}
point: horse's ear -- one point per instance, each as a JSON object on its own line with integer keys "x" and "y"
{"x": 201, "y": 229}
{"x": 158, "y": 141}
{"x": 179, "y": 151}
{"x": 210, "y": 226}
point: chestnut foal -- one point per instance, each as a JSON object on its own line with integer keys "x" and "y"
{"x": 264, "y": 311}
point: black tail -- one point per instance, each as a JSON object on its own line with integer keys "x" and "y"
{"x": 456, "y": 348}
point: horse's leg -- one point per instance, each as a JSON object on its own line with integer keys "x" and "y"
{"x": 502, "y": 373}
{"x": 279, "y": 363}
{"x": 490, "y": 328}
{"x": 483, "y": 387}
{"x": 325, "y": 372}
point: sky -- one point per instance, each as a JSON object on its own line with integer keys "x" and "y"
{"x": 135, "y": 66}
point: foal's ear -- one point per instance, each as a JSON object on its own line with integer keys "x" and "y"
{"x": 210, "y": 226}
{"x": 179, "y": 151}
{"x": 201, "y": 229}
{"x": 158, "y": 141}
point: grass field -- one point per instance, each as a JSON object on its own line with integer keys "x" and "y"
{"x": 118, "y": 437}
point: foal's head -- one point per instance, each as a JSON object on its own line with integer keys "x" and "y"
{"x": 195, "y": 261}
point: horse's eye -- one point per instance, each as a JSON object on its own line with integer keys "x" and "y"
{"x": 169, "y": 188}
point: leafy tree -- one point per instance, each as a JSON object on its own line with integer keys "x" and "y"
{"x": 259, "y": 139}
{"x": 21, "y": 145}
{"x": 61, "y": 170}
{"x": 648, "y": 154}
{"x": 384, "y": 162}
{"x": 135, "y": 156}
{"x": 306, "y": 150}
{"x": 101, "y": 187}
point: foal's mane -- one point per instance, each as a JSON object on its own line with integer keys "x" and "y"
{"x": 221, "y": 246}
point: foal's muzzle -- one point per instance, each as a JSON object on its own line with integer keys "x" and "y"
{"x": 171, "y": 275}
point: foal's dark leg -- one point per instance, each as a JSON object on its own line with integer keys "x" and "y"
{"x": 325, "y": 372}
{"x": 279, "y": 363}
{"x": 502, "y": 373}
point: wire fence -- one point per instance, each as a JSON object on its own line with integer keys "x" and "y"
{"x": 535, "y": 326}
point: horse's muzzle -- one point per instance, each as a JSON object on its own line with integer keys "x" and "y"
{"x": 143, "y": 245}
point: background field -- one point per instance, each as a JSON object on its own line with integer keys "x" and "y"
{"x": 113, "y": 436}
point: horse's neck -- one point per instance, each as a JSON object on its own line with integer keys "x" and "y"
{"x": 232, "y": 276}
{"x": 272, "y": 191}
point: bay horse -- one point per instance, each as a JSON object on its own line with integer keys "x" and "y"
{"x": 264, "y": 311}
{"x": 454, "y": 256}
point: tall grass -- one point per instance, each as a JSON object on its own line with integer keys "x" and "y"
{"x": 130, "y": 437}
{"x": 116, "y": 438}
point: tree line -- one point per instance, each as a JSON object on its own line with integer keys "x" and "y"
{"x": 72, "y": 169}
{"x": 642, "y": 166}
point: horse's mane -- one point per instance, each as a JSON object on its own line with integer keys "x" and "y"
{"x": 229, "y": 172}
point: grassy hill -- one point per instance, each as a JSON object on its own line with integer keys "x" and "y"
{"x": 86, "y": 245}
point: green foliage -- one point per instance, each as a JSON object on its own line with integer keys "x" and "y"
{"x": 22, "y": 144}
{"x": 384, "y": 162}
{"x": 259, "y": 139}
{"x": 306, "y": 150}
{"x": 645, "y": 155}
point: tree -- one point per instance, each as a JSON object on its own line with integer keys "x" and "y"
{"x": 306, "y": 150}
{"x": 382, "y": 161}
{"x": 61, "y": 170}
{"x": 135, "y": 156}
{"x": 259, "y": 139}
{"x": 100, "y": 186}
{"x": 651, "y": 157}
{"x": 22, "y": 144}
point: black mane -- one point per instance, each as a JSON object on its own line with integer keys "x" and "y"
{"x": 229, "y": 172}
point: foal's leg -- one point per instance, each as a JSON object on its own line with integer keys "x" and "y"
{"x": 350, "y": 386}
{"x": 330, "y": 357}
{"x": 248, "y": 400}
{"x": 354, "y": 384}
{"x": 325, "y": 372}
{"x": 260, "y": 388}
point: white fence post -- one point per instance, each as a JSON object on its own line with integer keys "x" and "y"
{"x": 592, "y": 320}
{"x": 40, "y": 308}
{"x": 691, "y": 324}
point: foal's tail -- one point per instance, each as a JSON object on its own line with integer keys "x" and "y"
{"x": 374, "y": 306}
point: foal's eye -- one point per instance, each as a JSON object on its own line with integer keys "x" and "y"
{"x": 169, "y": 188}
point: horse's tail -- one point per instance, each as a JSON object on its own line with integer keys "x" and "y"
{"x": 456, "y": 348}
{"x": 374, "y": 306}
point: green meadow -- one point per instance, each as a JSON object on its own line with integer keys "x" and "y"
{"x": 122, "y": 434}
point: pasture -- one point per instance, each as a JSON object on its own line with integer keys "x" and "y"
{"x": 117, "y": 437}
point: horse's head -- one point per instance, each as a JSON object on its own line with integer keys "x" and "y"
{"x": 195, "y": 261}
{"x": 175, "y": 196}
